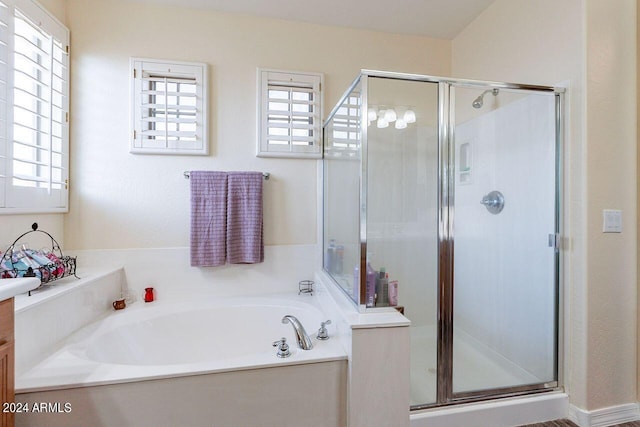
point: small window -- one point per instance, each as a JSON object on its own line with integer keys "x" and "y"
{"x": 289, "y": 114}
{"x": 169, "y": 110}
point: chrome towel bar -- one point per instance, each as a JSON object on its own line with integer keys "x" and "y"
{"x": 265, "y": 175}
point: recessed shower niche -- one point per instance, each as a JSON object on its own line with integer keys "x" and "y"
{"x": 465, "y": 158}
{"x": 410, "y": 163}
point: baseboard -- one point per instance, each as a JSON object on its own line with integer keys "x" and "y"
{"x": 496, "y": 413}
{"x": 606, "y": 416}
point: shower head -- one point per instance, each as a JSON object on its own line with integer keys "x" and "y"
{"x": 477, "y": 103}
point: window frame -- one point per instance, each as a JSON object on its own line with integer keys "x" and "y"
{"x": 289, "y": 80}
{"x": 173, "y": 71}
{"x": 54, "y": 197}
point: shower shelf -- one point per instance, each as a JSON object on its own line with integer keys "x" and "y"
{"x": 54, "y": 267}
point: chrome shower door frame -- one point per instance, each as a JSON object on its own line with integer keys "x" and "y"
{"x": 446, "y": 244}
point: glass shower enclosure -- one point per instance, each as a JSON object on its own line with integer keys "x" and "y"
{"x": 441, "y": 200}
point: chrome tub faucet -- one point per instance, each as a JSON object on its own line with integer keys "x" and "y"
{"x": 304, "y": 342}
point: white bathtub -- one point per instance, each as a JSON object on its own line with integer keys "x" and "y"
{"x": 191, "y": 362}
{"x": 188, "y": 337}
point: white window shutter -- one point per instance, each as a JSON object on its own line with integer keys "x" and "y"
{"x": 37, "y": 134}
{"x": 289, "y": 114}
{"x": 169, "y": 107}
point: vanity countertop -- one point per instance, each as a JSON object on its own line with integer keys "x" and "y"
{"x": 12, "y": 287}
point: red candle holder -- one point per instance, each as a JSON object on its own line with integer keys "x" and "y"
{"x": 148, "y": 295}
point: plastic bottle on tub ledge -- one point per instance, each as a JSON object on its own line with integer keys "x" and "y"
{"x": 393, "y": 293}
{"x": 382, "y": 288}
{"x": 338, "y": 266}
{"x": 330, "y": 259}
{"x": 356, "y": 283}
{"x": 371, "y": 284}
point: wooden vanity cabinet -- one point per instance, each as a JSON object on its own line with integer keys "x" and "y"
{"x": 7, "y": 385}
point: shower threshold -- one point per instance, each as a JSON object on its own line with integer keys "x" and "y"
{"x": 476, "y": 366}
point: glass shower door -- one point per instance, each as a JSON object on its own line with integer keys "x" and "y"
{"x": 505, "y": 227}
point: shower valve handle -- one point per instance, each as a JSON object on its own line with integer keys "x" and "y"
{"x": 283, "y": 347}
{"x": 323, "y": 334}
{"x": 494, "y": 202}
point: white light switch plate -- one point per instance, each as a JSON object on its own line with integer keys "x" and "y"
{"x": 612, "y": 221}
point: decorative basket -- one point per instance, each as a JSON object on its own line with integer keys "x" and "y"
{"x": 48, "y": 266}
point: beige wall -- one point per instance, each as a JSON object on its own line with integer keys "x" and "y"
{"x": 57, "y": 8}
{"x": 120, "y": 200}
{"x": 588, "y": 46}
{"x": 611, "y": 183}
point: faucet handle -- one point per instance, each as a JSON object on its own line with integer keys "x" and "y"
{"x": 323, "y": 334}
{"x": 283, "y": 347}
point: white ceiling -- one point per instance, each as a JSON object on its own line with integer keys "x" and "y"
{"x": 442, "y": 19}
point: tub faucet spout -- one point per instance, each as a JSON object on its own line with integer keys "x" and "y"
{"x": 304, "y": 342}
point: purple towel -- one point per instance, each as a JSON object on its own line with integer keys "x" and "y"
{"x": 244, "y": 218}
{"x": 208, "y": 218}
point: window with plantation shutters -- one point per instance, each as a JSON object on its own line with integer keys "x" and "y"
{"x": 34, "y": 87}
{"x": 289, "y": 114}
{"x": 169, "y": 108}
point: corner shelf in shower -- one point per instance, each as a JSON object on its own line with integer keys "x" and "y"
{"x": 58, "y": 267}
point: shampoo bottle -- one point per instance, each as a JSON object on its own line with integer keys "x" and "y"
{"x": 338, "y": 266}
{"x": 383, "y": 288}
{"x": 371, "y": 285}
{"x": 356, "y": 284}
{"x": 393, "y": 293}
{"x": 329, "y": 262}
